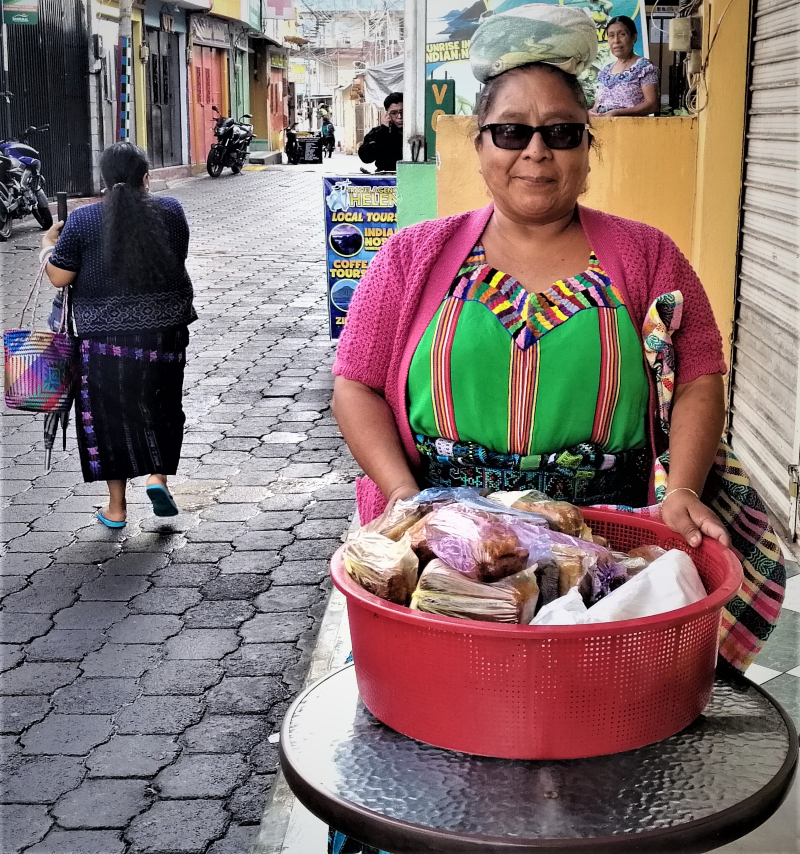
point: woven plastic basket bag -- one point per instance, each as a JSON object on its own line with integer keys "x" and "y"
{"x": 41, "y": 367}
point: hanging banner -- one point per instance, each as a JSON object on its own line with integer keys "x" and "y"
{"x": 450, "y": 27}
{"x": 360, "y": 216}
{"x": 21, "y": 11}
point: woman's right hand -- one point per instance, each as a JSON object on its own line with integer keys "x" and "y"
{"x": 50, "y": 237}
{"x": 400, "y": 493}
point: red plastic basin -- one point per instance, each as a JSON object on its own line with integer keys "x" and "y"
{"x": 543, "y": 692}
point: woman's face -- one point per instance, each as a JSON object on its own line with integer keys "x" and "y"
{"x": 537, "y": 185}
{"x": 620, "y": 41}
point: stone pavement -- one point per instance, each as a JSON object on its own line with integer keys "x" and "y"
{"x": 145, "y": 669}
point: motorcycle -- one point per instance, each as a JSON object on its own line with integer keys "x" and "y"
{"x": 22, "y": 187}
{"x": 232, "y": 146}
{"x": 291, "y": 148}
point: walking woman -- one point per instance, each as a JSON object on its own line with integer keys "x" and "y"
{"x": 131, "y": 302}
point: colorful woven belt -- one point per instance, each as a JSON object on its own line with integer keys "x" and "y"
{"x": 582, "y": 474}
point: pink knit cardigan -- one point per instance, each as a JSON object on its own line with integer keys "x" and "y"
{"x": 410, "y": 276}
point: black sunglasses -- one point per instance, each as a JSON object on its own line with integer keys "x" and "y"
{"x": 516, "y": 137}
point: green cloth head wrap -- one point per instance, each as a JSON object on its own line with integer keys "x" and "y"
{"x": 538, "y": 32}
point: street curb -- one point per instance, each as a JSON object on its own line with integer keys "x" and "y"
{"x": 331, "y": 642}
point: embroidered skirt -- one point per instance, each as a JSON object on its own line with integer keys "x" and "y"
{"x": 129, "y": 417}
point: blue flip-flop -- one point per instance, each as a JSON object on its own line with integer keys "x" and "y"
{"x": 163, "y": 503}
{"x": 109, "y": 523}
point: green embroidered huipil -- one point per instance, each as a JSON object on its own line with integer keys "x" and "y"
{"x": 530, "y": 374}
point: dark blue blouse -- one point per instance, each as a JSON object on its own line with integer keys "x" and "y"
{"x": 102, "y": 306}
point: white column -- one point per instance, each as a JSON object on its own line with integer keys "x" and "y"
{"x": 414, "y": 77}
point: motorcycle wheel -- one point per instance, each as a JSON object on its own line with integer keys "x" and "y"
{"x": 236, "y": 167}
{"x": 41, "y": 213}
{"x": 214, "y": 163}
{"x": 5, "y": 224}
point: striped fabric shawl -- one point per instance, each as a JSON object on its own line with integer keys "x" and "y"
{"x": 750, "y": 617}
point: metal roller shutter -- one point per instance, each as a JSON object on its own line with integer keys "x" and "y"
{"x": 765, "y": 398}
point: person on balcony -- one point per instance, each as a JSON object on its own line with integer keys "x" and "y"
{"x": 629, "y": 85}
{"x": 383, "y": 145}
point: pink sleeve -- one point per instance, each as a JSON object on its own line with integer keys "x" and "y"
{"x": 698, "y": 343}
{"x": 367, "y": 342}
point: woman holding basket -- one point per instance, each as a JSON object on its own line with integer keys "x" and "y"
{"x": 537, "y": 343}
{"x": 123, "y": 260}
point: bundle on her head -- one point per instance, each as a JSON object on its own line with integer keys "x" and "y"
{"x": 538, "y": 32}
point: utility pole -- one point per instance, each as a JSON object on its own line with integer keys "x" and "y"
{"x": 125, "y": 71}
{"x": 6, "y": 134}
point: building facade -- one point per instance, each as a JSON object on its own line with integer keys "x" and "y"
{"x": 183, "y": 59}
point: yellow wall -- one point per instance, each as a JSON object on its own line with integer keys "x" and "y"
{"x": 228, "y": 9}
{"x": 645, "y": 170}
{"x": 683, "y": 175}
{"x": 719, "y": 158}
{"x": 139, "y": 81}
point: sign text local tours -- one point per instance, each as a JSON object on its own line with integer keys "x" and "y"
{"x": 360, "y": 216}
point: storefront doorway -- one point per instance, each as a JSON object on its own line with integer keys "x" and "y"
{"x": 207, "y": 86}
{"x": 163, "y": 99}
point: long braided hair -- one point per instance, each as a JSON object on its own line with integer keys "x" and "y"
{"x": 137, "y": 251}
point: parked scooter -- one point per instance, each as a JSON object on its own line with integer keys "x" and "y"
{"x": 232, "y": 146}
{"x": 291, "y": 148}
{"x": 22, "y": 187}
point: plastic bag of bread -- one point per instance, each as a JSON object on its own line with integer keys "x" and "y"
{"x": 406, "y": 513}
{"x": 639, "y": 558}
{"x": 401, "y": 516}
{"x": 418, "y": 534}
{"x": 382, "y": 566}
{"x": 477, "y": 543}
{"x": 575, "y": 565}
{"x": 647, "y": 553}
{"x": 566, "y": 567}
{"x": 446, "y": 591}
{"x": 562, "y": 516}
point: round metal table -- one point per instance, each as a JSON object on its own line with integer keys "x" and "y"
{"x": 708, "y": 785}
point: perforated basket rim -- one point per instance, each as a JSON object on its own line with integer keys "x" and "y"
{"x": 714, "y": 602}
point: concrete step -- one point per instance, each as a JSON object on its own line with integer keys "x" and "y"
{"x": 266, "y": 158}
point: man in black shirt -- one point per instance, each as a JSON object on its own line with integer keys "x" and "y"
{"x": 383, "y": 145}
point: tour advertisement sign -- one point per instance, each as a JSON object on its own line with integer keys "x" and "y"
{"x": 21, "y": 11}
{"x": 360, "y": 216}
{"x": 450, "y": 27}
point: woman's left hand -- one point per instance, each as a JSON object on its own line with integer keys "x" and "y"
{"x": 50, "y": 237}
{"x": 688, "y": 516}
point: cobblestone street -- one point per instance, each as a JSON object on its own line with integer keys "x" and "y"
{"x": 146, "y": 669}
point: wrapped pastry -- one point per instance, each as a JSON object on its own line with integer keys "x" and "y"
{"x": 561, "y": 515}
{"x": 639, "y": 558}
{"x": 547, "y": 576}
{"x": 401, "y": 516}
{"x": 381, "y": 566}
{"x": 418, "y": 534}
{"x": 445, "y": 591}
{"x": 647, "y": 553}
{"x": 477, "y": 543}
{"x": 574, "y": 568}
